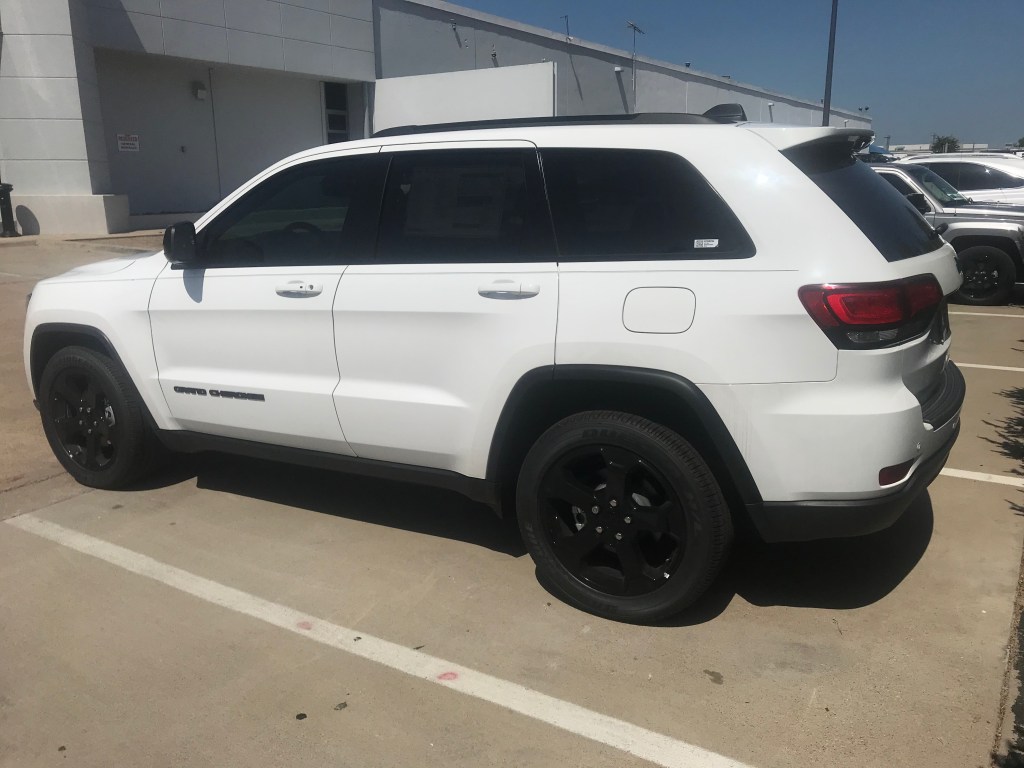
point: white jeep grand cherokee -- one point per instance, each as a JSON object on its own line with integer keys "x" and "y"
{"x": 636, "y": 332}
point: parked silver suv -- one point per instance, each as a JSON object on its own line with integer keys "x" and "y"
{"x": 988, "y": 237}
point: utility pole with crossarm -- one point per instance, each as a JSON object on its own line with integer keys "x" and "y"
{"x": 635, "y": 28}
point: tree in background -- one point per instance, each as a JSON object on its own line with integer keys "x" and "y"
{"x": 945, "y": 144}
{"x": 1020, "y": 142}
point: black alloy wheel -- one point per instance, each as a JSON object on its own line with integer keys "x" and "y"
{"x": 988, "y": 276}
{"x": 622, "y": 516}
{"x": 83, "y": 419}
{"x": 93, "y": 419}
{"x": 613, "y": 520}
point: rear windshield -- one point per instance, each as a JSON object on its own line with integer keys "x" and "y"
{"x": 885, "y": 216}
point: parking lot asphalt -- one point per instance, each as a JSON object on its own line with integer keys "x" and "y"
{"x": 211, "y": 617}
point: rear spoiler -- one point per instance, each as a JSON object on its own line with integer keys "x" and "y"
{"x": 784, "y": 137}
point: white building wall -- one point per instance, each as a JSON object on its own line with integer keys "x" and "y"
{"x": 51, "y": 132}
{"x": 64, "y": 161}
{"x": 194, "y": 151}
{"x": 175, "y": 167}
{"x": 326, "y": 38}
{"x": 482, "y": 94}
{"x": 287, "y": 111}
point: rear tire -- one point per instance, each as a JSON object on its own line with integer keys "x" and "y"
{"x": 622, "y": 516}
{"x": 93, "y": 418}
{"x": 989, "y": 276}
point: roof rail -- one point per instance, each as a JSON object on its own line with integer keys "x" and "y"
{"x": 723, "y": 113}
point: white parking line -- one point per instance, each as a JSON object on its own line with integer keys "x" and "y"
{"x": 989, "y": 367}
{"x": 984, "y": 314}
{"x": 647, "y": 745}
{"x": 985, "y": 477}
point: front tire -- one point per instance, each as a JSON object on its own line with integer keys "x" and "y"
{"x": 93, "y": 418}
{"x": 989, "y": 276}
{"x": 622, "y": 516}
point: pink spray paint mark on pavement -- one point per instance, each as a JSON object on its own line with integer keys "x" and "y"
{"x": 448, "y": 676}
{"x": 305, "y": 625}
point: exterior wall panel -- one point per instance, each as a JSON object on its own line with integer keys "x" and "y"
{"x": 418, "y": 37}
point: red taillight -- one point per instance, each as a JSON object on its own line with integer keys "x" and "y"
{"x": 923, "y": 294}
{"x": 872, "y": 313}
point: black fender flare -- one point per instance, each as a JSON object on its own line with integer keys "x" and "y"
{"x": 673, "y": 386}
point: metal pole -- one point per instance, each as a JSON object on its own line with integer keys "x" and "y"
{"x": 635, "y": 29}
{"x": 827, "y": 108}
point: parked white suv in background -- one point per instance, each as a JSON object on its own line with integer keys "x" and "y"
{"x": 636, "y": 332}
{"x": 991, "y": 178}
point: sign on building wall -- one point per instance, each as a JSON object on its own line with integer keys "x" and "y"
{"x": 127, "y": 142}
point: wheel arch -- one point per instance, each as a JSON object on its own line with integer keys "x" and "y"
{"x": 50, "y": 338}
{"x": 546, "y": 395}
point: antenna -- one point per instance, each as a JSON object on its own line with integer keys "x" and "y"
{"x": 635, "y": 28}
{"x": 568, "y": 37}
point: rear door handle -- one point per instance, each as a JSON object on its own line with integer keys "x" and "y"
{"x": 299, "y": 289}
{"x": 508, "y": 289}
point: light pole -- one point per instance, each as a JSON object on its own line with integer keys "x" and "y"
{"x": 827, "y": 108}
{"x": 635, "y": 28}
{"x": 771, "y": 115}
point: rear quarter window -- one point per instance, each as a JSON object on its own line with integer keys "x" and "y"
{"x": 885, "y": 216}
{"x": 620, "y": 204}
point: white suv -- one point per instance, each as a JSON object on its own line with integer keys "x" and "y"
{"x": 990, "y": 178}
{"x": 636, "y": 332}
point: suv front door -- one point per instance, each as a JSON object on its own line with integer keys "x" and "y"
{"x": 244, "y": 344}
{"x": 459, "y": 302}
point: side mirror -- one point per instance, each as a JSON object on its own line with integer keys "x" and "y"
{"x": 941, "y": 229}
{"x": 919, "y": 201}
{"x": 180, "y": 243}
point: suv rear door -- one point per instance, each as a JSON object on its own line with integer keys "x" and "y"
{"x": 459, "y": 301}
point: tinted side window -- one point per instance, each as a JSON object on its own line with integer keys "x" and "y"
{"x": 321, "y": 212}
{"x": 973, "y": 176}
{"x": 461, "y": 206}
{"x": 981, "y": 177}
{"x": 885, "y": 217}
{"x": 637, "y": 204}
{"x": 948, "y": 171}
{"x": 898, "y": 184}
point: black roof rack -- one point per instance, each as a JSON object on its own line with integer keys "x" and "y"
{"x": 726, "y": 113}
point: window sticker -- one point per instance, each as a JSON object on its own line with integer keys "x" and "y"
{"x": 712, "y": 243}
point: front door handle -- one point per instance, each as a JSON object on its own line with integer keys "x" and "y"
{"x": 299, "y": 289}
{"x": 508, "y": 289}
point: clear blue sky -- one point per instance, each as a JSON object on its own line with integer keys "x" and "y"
{"x": 922, "y": 66}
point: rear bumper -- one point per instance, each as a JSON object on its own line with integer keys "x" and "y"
{"x": 810, "y": 520}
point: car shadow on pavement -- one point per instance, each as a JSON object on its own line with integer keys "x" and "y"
{"x": 410, "y": 507}
{"x": 837, "y": 574}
